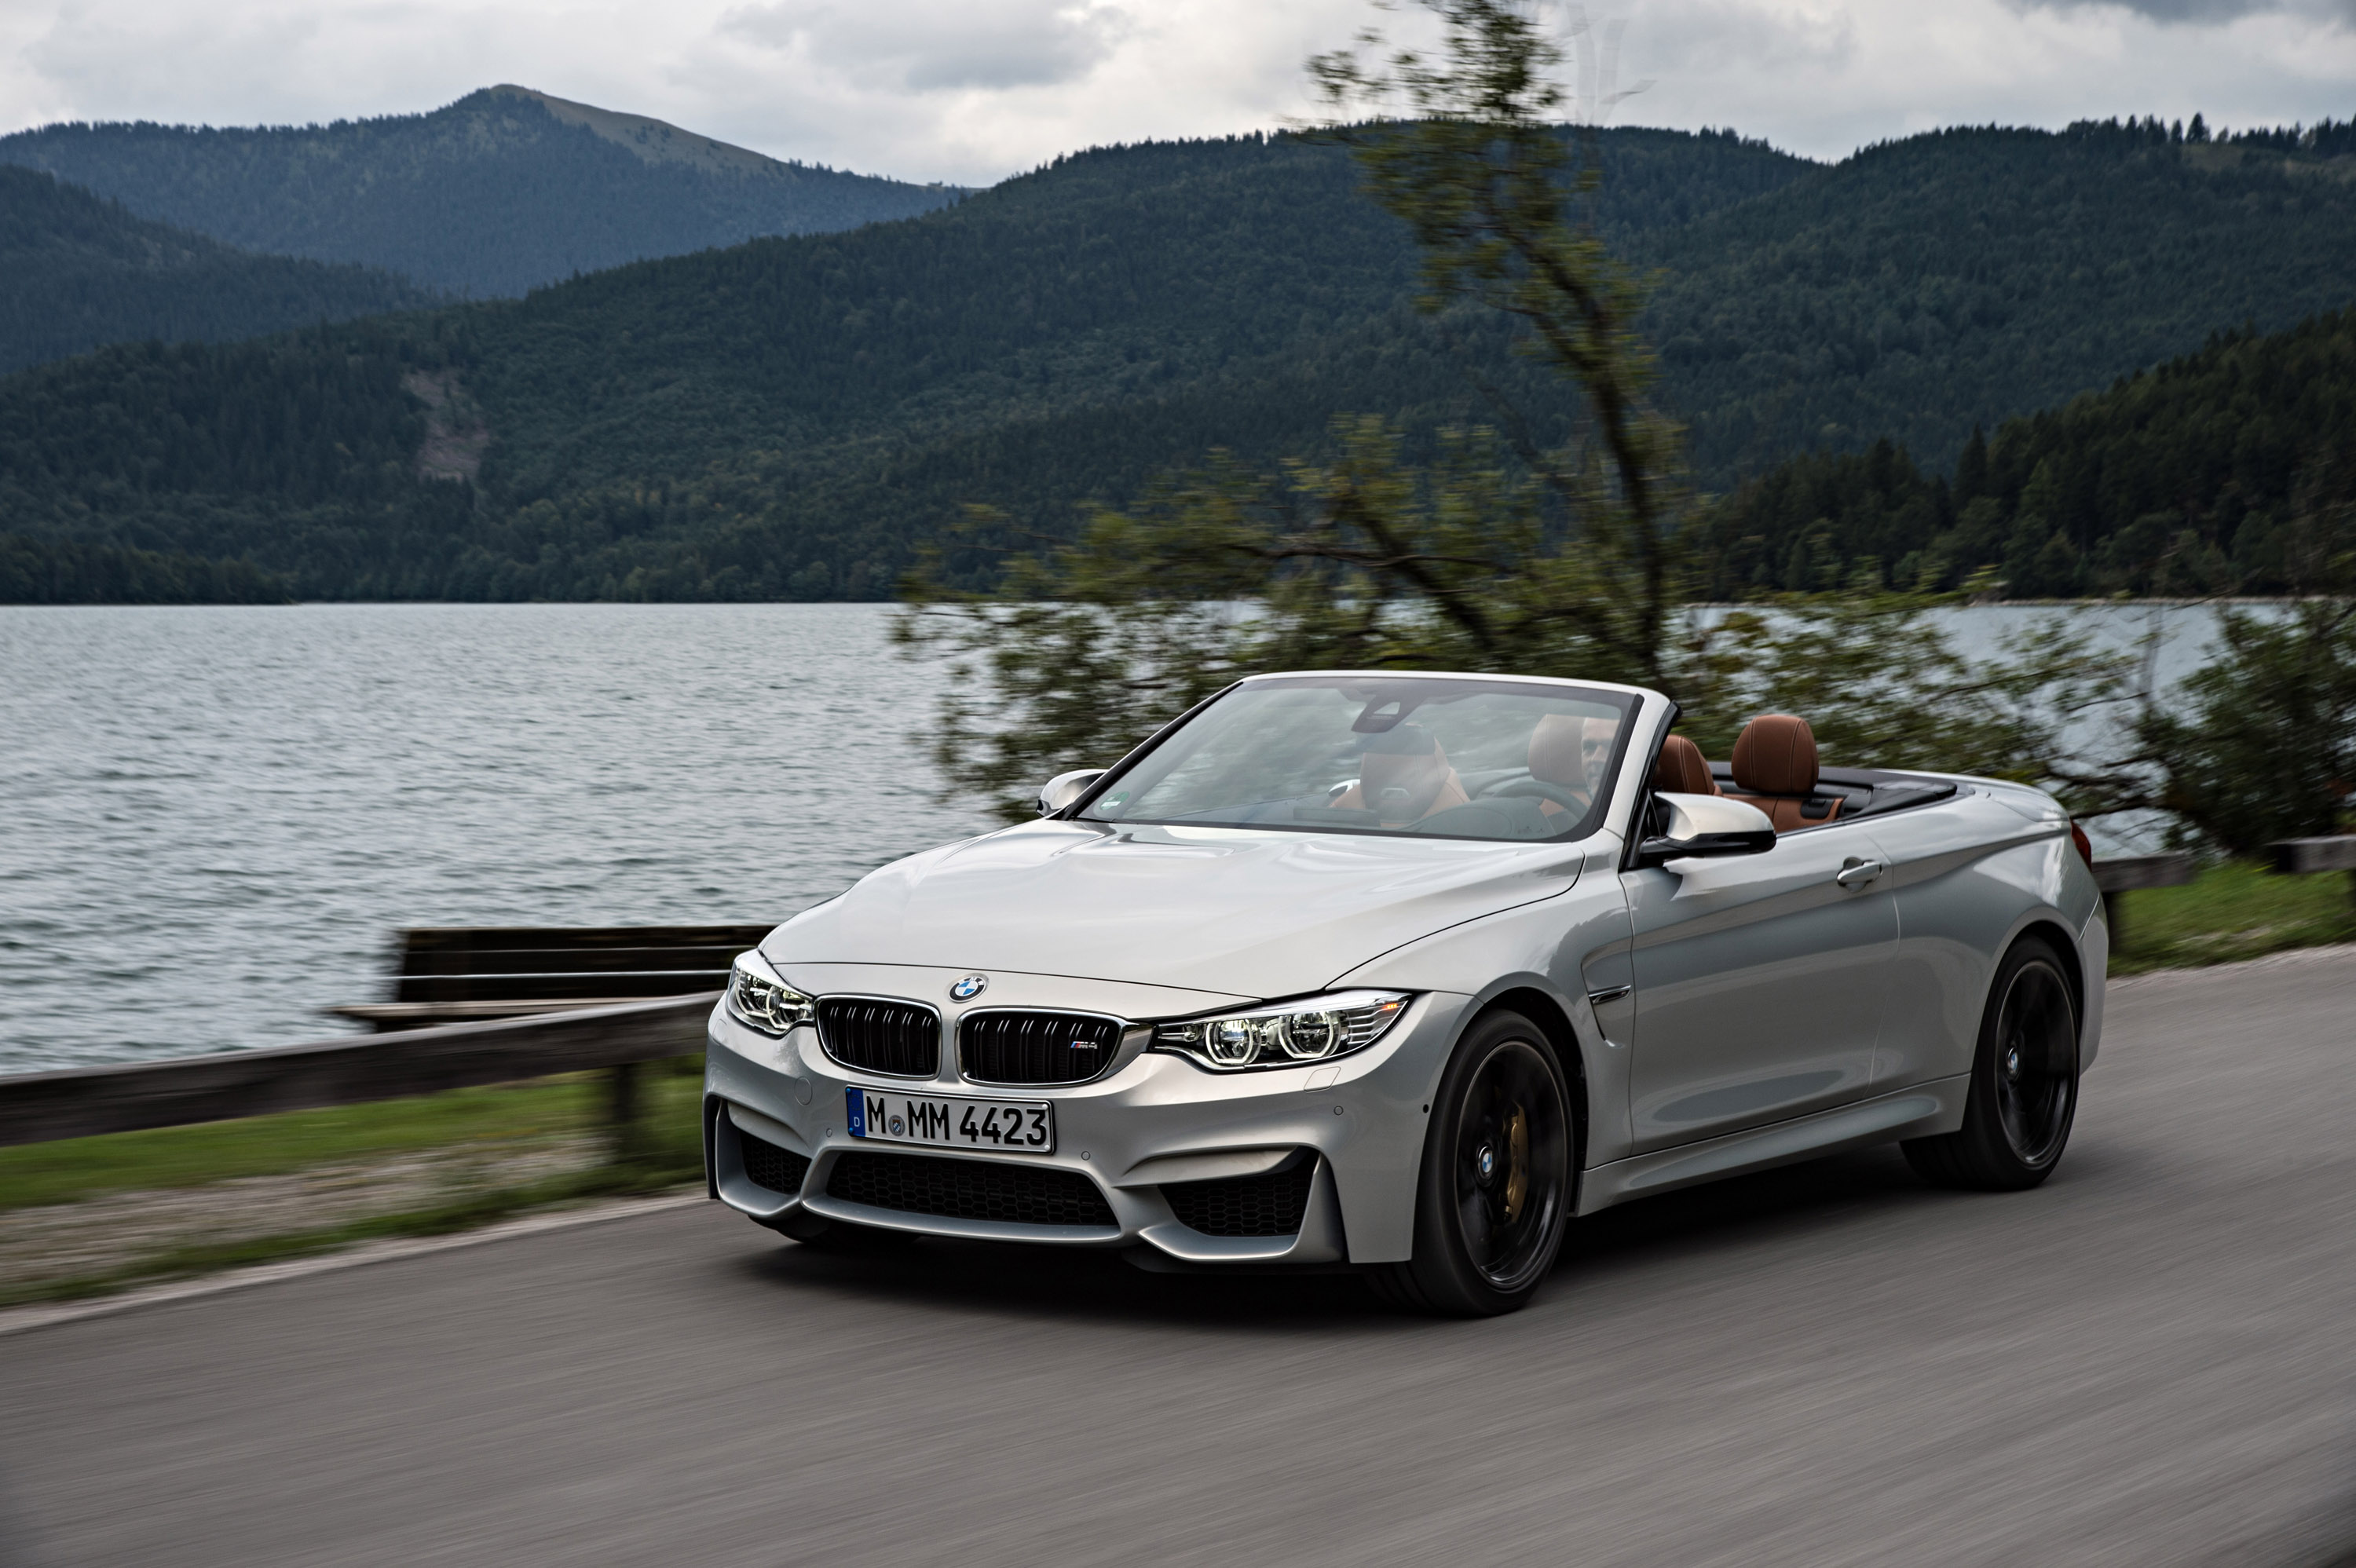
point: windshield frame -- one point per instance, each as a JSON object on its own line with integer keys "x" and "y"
{"x": 1630, "y": 700}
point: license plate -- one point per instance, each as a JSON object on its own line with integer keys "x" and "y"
{"x": 1019, "y": 1126}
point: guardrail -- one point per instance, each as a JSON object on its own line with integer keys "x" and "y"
{"x": 36, "y": 1107}
{"x": 2127, "y": 873}
{"x": 2304, "y": 857}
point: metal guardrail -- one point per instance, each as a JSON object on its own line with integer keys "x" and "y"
{"x": 36, "y": 1107}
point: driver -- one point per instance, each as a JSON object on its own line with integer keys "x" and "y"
{"x": 1405, "y": 777}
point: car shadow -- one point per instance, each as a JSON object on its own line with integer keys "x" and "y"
{"x": 1083, "y": 1285}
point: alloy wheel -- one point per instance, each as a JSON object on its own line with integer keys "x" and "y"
{"x": 1511, "y": 1167}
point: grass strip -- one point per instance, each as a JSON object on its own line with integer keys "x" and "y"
{"x": 291, "y": 1141}
{"x": 466, "y": 1213}
{"x": 2231, "y": 911}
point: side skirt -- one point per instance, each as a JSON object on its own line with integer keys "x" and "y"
{"x": 1919, "y": 1112}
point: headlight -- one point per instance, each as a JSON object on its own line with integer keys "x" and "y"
{"x": 1286, "y": 1035}
{"x": 758, "y": 998}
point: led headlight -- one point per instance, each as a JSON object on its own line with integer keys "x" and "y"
{"x": 1286, "y": 1035}
{"x": 758, "y": 998}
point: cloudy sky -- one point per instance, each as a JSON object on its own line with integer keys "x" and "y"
{"x": 970, "y": 91}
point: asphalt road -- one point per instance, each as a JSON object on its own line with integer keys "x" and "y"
{"x": 2145, "y": 1362}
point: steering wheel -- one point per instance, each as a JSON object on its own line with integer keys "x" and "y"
{"x": 1543, "y": 790}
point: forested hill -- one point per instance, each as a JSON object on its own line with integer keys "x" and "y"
{"x": 1959, "y": 277}
{"x": 2231, "y": 470}
{"x": 797, "y": 417}
{"x": 81, "y": 272}
{"x": 497, "y": 193}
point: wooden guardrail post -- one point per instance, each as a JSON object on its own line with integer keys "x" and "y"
{"x": 621, "y": 1110}
{"x": 2304, "y": 857}
{"x": 2127, "y": 873}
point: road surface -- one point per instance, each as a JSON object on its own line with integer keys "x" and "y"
{"x": 2146, "y": 1362}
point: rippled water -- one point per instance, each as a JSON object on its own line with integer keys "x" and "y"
{"x": 212, "y": 820}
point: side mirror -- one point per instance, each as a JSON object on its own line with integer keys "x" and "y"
{"x": 1065, "y": 788}
{"x": 1707, "y": 825}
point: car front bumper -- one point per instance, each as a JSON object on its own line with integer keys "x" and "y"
{"x": 1153, "y": 1120}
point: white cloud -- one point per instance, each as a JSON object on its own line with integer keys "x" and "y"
{"x": 970, "y": 91}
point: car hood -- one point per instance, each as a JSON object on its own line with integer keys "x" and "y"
{"x": 1238, "y": 911}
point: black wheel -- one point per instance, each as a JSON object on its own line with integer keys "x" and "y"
{"x": 2024, "y": 1087}
{"x": 1494, "y": 1196}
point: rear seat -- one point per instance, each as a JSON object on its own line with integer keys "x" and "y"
{"x": 1775, "y": 770}
{"x": 1681, "y": 771}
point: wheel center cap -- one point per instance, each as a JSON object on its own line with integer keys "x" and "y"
{"x": 1485, "y": 1162}
{"x": 2012, "y": 1062}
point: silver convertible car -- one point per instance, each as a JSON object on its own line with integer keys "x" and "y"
{"x": 1402, "y": 973}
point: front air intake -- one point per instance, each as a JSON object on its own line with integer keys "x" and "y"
{"x": 1035, "y": 1048}
{"x": 765, "y": 1165}
{"x": 903, "y": 1038}
{"x": 968, "y": 1190}
{"x": 1270, "y": 1204}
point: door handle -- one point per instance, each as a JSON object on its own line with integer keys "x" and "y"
{"x": 1856, "y": 873}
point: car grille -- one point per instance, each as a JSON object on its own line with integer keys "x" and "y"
{"x": 898, "y": 1037}
{"x": 767, "y": 1165}
{"x": 1035, "y": 1048}
{"x": 1270, "y": 1204}
{"x": 968, "y": 1190}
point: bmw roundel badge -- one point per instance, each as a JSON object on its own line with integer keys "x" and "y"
{"x": 970, "y": 988}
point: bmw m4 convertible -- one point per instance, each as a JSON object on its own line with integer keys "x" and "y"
{"x": 1403, "y": 972}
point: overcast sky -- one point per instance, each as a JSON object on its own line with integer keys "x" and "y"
{"x": 972, "y": 91}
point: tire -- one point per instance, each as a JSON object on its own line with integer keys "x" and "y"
{"x": 1494, "y": 1196}
{"x": 2024, "y": 1084}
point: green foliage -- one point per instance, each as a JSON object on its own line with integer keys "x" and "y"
{"x": 2230, "y": 470}
{"x": 2262, "y": 745}
{"x": 801, "y": 418}
{"x": 82, "y": 272}
{"x": 1961, "y": 277}
{"x": 491, "y": 195}
{"x": 1496, "y": 555}
{"x": 2230, "y": 911}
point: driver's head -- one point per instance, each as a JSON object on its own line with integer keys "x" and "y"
{"x": 1402, "y": 772}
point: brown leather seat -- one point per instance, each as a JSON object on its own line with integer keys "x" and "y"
{"x": 1558, "y": 747}
{"x": 1681, "y": 771}
{"x": 1775, "y": 770}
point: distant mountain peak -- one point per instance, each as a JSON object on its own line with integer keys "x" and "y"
{"x": 654, "y": 140}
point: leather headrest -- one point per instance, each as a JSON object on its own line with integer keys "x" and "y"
{"x": 1402, "y": 772}
{"x": 1775, "y": 755}
{"x": 1559, "y": 748}
{"x": 1681, "y": 771}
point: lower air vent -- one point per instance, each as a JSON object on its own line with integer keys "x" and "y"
{"x": 1035, "y": 1047}
{"x": 899, "y": 1037}
{"x": 968, "y": 1190}
{"x": 1270, "y": 1204}
{"x": 767, "y": 1165}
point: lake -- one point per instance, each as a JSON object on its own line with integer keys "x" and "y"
{"x": 214, "y": 818}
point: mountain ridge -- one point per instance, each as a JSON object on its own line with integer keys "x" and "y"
{"x": 82, "y": 272}
{"x": 499, "y": 192}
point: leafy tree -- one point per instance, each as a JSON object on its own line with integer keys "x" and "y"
{"x": 2264, "y": 744}
{"x": 1499, "y": 554}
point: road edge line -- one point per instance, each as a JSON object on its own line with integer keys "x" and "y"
{"x": 24, "y": 1319}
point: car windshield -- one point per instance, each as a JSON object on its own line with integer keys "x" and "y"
{"x": 1454, "y": 759}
